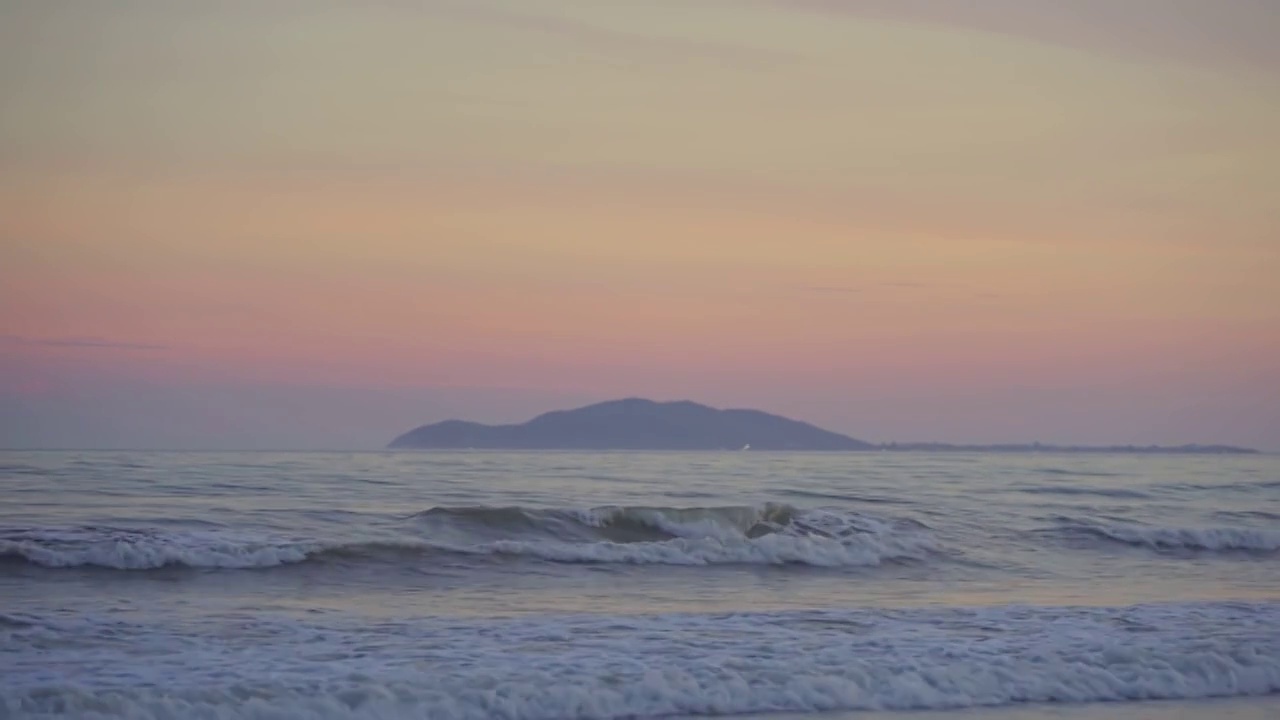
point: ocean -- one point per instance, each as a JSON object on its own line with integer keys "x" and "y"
{"x": 558, "y": 586}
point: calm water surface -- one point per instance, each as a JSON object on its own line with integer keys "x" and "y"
{"x": 596, "y": 585}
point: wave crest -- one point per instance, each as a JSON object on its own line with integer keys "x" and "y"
{"x": 1210, "y": 539}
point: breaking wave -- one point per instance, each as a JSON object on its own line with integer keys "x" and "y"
{"x": 133, "y": 549}
{"x": 772, "y": 534}
{"x": 1210, "y": 539}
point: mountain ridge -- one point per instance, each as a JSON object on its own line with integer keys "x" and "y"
{"x": 634, "y": 424}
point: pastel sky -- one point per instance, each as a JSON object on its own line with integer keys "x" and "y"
{"x": 316, "y": 224}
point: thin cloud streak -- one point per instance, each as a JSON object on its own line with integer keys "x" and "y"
{"x": 80, "y": 342}
{"x": 1232, "y": 33}
{"x": 835, "y": 290}
{"x": 615, "y": 43}
{"x": 854, "y": 289}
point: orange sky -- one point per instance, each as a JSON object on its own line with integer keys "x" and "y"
{"x": 900, "y": 220}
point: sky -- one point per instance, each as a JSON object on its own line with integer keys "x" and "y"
{"x": 318, "y": 224}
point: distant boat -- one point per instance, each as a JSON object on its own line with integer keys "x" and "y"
{"x": 747, "y": 446}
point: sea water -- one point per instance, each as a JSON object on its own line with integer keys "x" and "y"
{"x": 634, "y": 585}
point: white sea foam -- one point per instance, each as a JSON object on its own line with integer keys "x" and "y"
{"x": 775, "y": 549}
{"x": 603, "y": 668}
{"x": 158, "y": 552}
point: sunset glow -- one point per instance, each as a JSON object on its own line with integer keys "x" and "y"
{"x": 896, "y": 222}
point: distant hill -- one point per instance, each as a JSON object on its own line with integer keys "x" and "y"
{"x": 634, "y": 424}
{"x": 638, "y": 424}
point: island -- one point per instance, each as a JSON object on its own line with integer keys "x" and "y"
{"x": 640, "y": 424}
{"x": 634, "y": 424}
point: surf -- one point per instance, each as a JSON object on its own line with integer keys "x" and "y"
{"x": 768, "y": 534}
{"x": 607, "y": 667}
